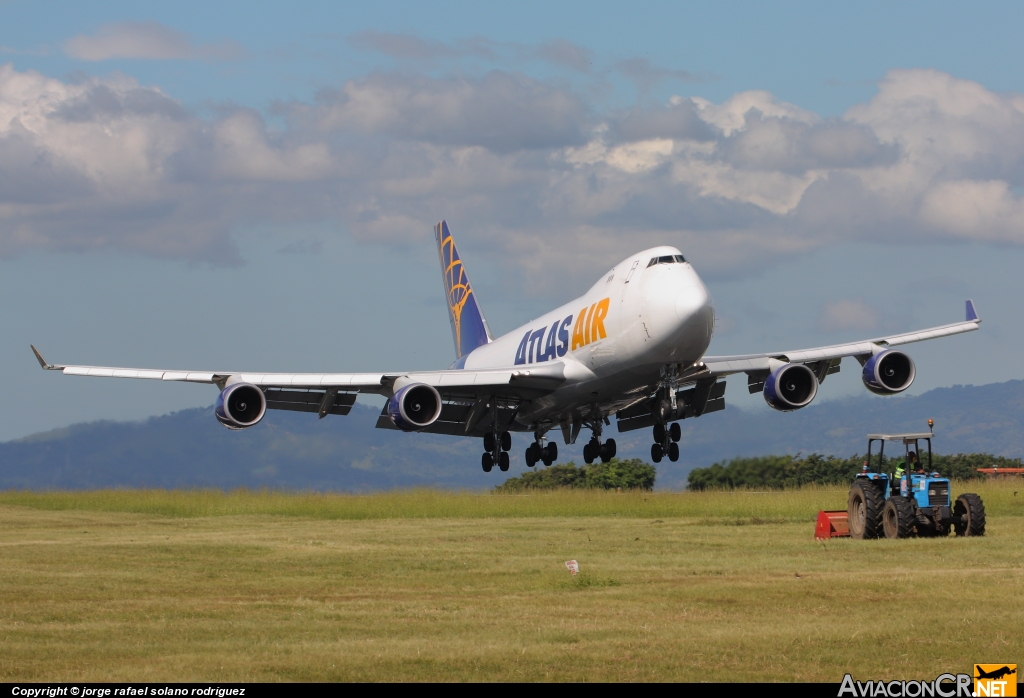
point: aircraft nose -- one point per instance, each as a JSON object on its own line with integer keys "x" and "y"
{"x": 690, "y": 301}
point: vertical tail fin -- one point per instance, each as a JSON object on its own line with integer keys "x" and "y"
{"x": 469, "y": 329}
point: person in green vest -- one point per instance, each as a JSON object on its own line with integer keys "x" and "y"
{"x": 901, "y": 466}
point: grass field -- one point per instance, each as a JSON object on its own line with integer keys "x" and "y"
{"x": 208, "y": 586}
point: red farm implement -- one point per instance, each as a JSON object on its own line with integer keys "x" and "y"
{"x": 832, "y": 524}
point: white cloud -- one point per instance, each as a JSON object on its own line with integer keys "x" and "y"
{"x": 848, "y": 315}
{"x": 244, "y": 152}
{"x": 145, "y": 40}
{"x": 565, "y": 53}
{"x": 107, "y": 163}
{"x": 500, "y": 111}
{"x": 529, "y": 168}
{"x": 731, "y": 115}
{"x": 972, "y": 209}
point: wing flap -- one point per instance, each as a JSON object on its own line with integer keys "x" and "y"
{"x": 308, "y": 401}
{"x": 453, "y": 418}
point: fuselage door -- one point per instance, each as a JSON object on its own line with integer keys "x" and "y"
{"x": 629, "y": 275}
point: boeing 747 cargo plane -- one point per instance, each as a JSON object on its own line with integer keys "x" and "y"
{"x": 631, "y": 347}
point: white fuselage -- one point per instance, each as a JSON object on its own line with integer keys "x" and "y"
{"x": 613, "y": 340}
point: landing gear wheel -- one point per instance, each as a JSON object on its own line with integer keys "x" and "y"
{"x": 549, "y": 454}
{"x": 675, "y": 432}
{"x": 969, "y": 515}
{"x": 489, "y": 442}
{"x": 610, "y": 445}
{"x": 659, "y": 433}
{"x": 588, "y": 453}
{"x": 551, "y": 451}
{"x": 606, "y": 454}
{"x": 673, "y": 451}
{"x": 503, "y": 461}
{"x": 487, "y": 461}
{"x": 531, "y": 455}
{"x": 898, "y": 518}
{"x": 864, "y": 510}
{"x": 656, "y": 453}
{"x": 506, "y": 441}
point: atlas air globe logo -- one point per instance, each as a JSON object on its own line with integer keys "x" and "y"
{"x": 549, "y": 343}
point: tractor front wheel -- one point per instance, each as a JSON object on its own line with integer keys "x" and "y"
{"x": 864, "y": 510}
{"x": 898, "y": 518}
{"x": 969, "y": 515}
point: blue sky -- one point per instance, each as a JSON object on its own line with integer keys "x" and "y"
{"x": 244, "y": 185}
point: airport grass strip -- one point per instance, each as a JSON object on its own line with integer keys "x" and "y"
{"x": 111, "y": 596}
{"x": 1002, "y": 497}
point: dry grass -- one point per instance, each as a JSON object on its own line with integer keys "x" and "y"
{"x": 736, "y": 506}
{"x": 428, "y": 585}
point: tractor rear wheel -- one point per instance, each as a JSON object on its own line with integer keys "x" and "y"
{"x": 864, "y": 510}
{"x": 898, "y": 518}
{"x": 969, "y": 515}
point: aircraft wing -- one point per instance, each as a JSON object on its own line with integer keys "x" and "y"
{"x": 309, "y": 392}
{"x": 826, "y": 357}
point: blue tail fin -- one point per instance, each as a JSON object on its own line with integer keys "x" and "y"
{"x": 469, "y": 328}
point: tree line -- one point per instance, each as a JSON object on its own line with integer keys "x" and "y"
{"x": 778, "y": 472}
{"x": 631, "y": 474}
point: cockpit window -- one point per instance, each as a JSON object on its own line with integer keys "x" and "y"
{"x": 667, "y": 259}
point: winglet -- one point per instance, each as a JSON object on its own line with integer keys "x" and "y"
{"x": 972, "y": 314}
{"x": 41, "y": 360}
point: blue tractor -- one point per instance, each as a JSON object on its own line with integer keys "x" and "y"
{"x": 915, "y": 502}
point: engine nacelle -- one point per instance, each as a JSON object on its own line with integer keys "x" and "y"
{"x": 240, "y": 406}
{"x": 414, "y": 407}
{"x": 790, "y": 387}
{"x": 888, "y": 372}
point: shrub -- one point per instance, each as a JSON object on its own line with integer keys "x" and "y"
{"x": 631, "y": 474}
{"x": 779, "y": 472}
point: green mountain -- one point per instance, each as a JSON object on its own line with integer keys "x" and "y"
{"x": 298, "y": 451}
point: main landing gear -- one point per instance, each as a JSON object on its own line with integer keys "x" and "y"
{"x": 496, "y": 448}
{"x": 595, "y": 449}
{"x": 666, "y": 442}
{"x": 536, "y": 452}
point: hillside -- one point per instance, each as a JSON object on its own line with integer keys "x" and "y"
{"x": 297, "y": 451}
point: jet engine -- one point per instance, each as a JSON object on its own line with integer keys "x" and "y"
{"x": 414, "y": 407}
{"x": 888, "y": 372}
{"x": 240, "y": 406}
{"x": 790, "y": 387}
